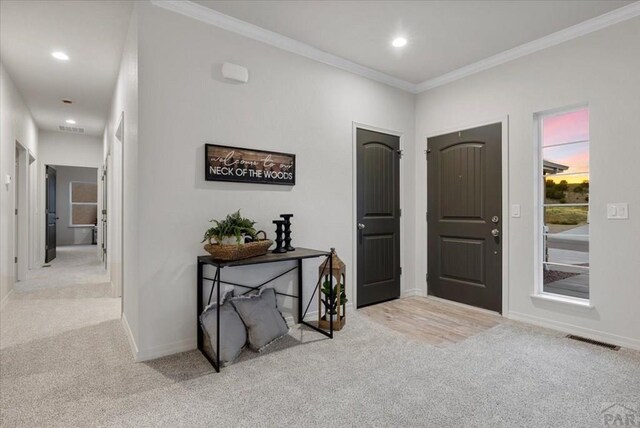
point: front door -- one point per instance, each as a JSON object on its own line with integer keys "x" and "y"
{"x": 51, "y": 216}
{"x": 378, "y": 217}
{"x": 464, "y": 198}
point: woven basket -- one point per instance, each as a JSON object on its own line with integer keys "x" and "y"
{"x": 230, "y": 252}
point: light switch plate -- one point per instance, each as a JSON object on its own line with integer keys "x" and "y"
{"x": 515, "y": 210}
{"x": 618, "y": 211}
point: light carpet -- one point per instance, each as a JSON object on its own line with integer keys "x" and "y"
{"x": 59, "y": 369}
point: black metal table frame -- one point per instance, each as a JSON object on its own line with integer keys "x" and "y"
{"x": 217, "y": 281}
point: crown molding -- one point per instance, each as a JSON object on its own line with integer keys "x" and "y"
{"x": 229, "y": 23}
{"x": 594, "y": 24}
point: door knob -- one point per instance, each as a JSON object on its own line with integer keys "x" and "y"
{"x": 495, "y": 232}
{"x": 361, "y": 226}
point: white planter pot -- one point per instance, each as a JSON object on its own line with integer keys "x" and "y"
{"x": 232, "y": 240}
{"x": 328, "y": 317}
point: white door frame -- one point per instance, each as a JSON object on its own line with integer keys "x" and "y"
{"x": 504, "y": 120}
{"x": 354, "y": 215}
{"x": 21, "y": 220}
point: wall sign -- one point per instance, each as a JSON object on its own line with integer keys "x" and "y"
{"x": 223, "y": 163}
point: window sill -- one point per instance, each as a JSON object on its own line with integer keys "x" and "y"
{"x": 572, "y": 301}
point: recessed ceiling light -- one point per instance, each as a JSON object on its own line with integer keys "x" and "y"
{"x": 60, "y": 55}
{"x": 399, "y": 42}
{"x": 70, "y": 121}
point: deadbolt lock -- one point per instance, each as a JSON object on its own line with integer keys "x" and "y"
{"x": 495, "y": 219}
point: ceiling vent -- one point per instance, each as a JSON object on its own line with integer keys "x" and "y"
{"x": 72, "y": 129}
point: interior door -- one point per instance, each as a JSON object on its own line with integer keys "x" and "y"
{"x": 378, "y": 216}
{"x": 51, "y": 215}
{"x": 464, "y": 185}
{"x": 104, "y": 214}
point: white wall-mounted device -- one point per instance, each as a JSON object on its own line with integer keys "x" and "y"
{"x": 618, "y": 211}
{"x": 235, "y": 72}
{"x": 7, "y": 179}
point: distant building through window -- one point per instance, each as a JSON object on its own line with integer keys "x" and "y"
{"x": 564, "y": 147}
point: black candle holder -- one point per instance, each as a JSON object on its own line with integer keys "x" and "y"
{"x": 287, "y": 231}
{"x": 279, "y": 240}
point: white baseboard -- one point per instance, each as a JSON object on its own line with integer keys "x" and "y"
{"x": 168, "y": 349}
{"x": 625, "y": 342}
{"x": 129, "y": 333}
{"x": 5, "y": 300}
{"x": 158, "y": 351}
{"x": 413, "y": 292}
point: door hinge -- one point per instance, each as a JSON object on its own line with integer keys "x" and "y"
{"x": 400, "y": 212}
{"x": 16, "y": 211}
{"x": 16, "y": 260}
{"x": 427, "y": 277}
{"x": 400, "y": 153}
{"x": 426, "y": 216}
{"x": 401, "y": 271}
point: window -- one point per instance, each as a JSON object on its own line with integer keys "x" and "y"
{"x": 84, "y": 204}
{"x": 564, "y": 203}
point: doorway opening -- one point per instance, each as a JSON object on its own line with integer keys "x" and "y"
{"x": 70, "y": 240}
{"x": 23, "y": 229}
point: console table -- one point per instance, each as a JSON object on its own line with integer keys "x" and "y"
{"x": 298, "y": 255}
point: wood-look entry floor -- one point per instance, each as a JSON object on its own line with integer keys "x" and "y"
{"x": 432, "y": 321}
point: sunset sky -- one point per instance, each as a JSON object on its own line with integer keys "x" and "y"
{"x": 567, "y": 128}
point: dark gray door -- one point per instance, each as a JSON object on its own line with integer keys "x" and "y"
{"x": 50, "y": 239}
{"x": 464, "y": 185}
{"x": 104, "y": 215}
{"x": 378, "y": 193}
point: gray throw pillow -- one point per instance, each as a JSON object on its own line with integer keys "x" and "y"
{"x": 261, "y": 316}
{"x": 233, "y": 334}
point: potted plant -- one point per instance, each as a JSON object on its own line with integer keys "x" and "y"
{"x": 331, "y": 305}
{"x": 232, "y": 230}
{"x": 234, "y": 238}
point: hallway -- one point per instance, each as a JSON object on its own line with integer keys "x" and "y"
{"x": 73, "y": 292}
{"x": 73, "y": 265}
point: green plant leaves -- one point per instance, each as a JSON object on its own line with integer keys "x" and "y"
{"x": 233, "y": 225}
{"x": 326, "y": 290}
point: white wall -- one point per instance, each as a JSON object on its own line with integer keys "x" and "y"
{"x": 290, "y": 104}
{"x": 64, "y": 148}
{"x": 16, "y": 124}
{"x": 120, "y": 157}
{"x": 601, "y": 69}
{"x": 65, "y": 234}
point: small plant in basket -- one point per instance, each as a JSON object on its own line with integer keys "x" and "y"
{"x": 234, "y": 228}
